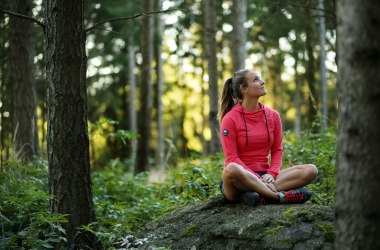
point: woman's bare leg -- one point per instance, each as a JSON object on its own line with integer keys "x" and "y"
{"x": 236, "y": 180}
{"x": 295, "y": 177}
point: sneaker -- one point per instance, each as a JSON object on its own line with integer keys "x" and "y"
{"x": 263, "y": 200}
{"x": 251, "y": 198}
{"x": 296, "y": 196}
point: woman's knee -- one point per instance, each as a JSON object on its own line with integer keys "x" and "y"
{"x": 312, "y": 171}
{"x": 231, "y": 171}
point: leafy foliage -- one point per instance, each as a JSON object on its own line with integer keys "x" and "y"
{"x": 24, "y": 216}
{"x": 102, "y": 127}
{"x": 318, "y": 149}
{"x": 125, "y": 203}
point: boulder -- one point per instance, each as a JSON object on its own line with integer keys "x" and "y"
{"x": 214, "y": 224}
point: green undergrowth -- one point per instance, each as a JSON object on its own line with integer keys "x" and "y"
{"x": 124, "y": 202}
{"x": 318, "y": 149}
{"x": 25, "y": 221}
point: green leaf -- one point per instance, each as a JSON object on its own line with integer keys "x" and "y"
{"x": 197, "y": 171}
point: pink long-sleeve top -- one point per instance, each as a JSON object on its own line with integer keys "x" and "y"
{"x": 248, "y": 136}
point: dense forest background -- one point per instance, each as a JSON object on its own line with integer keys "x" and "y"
{"x": 154, "y": 73}
{"x": 282, "y": 42}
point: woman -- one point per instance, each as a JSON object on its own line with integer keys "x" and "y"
{"x": 249, "y": 131}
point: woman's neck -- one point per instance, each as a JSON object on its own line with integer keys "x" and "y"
{"x": 251, "y": 104}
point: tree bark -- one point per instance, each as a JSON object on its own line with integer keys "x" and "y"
{"x": 132, "y": 95}
{"x": 322, "y": 43}
{"x": 310, "y": 71}
{"x": 297, "y": 99}
{"x": 67, "y": 138}
{"x": 239, "y": 34}
{"x": 159, "y": 72}
{"x": 182, "y": 138}
{"x": 205, "y": 145}
{"x": 145, "y": 92}
{"x": 210, "y": 30}
{"x": 357, "y": 215}
{"x": 3, "y": 88}
{"x": 275, "y": 70}
{"x": 22, "y": 48}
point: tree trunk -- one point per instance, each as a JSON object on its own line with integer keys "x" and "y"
{"x": 122, "y": 151}
{"x": 43, "y": 135}
{"x": 297, "y": 99}
{"x": 67, "y": 139}
{"x": 132, "y": 85}
{"x": 22, "y": 48}
{"x": 310, "y": 71}
{"x": 210, "y": 30}
{"x": 132, "y": 94}
{"x": 145, "y": 92}
{"x": 205, "y": 145}
{"x": 275, "y": 70}
{"x": 322, "y": 43}
{"x": 357, "y": 205}
{"x": 278, "y": 71}
{"x": 3, "y": 55}
{"x": 239, "y": 34}
{"x": 159, "y": 72}
{"x": 182, "y": 138}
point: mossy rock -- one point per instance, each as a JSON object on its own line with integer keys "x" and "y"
{"x": 216, "y": 225}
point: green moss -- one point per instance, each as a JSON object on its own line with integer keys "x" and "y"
{"x": 289, "y": 214}
{"x": 295, "y": 213}
{"x": 282, "y": 222}
{"x": 327, "y": 229}
{"x": 274, "y": 230}
{"x": 286, "y": 241}
{"x": 190, "y": 230}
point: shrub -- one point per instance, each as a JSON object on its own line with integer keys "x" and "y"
{"x": 24, "y": 216}
{"x": 320, "y": 150}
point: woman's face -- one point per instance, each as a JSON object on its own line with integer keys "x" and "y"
{"x": 255, "y": 85}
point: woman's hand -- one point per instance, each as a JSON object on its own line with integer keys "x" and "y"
{"x": 267, "y": 178}
{"x": 271, "y": 186}
{"x": 269, "y": 182}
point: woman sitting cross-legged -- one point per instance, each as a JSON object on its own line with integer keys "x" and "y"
{"x": 249, "y": 132}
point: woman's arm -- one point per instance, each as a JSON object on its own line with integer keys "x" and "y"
{"x": 276, "y": 149}
{"x": 228, "y": 137}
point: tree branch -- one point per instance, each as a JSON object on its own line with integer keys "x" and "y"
{"x": 23, "y": 17}
{"x": 116, "y": 19}
{"x": 309, "y": 7}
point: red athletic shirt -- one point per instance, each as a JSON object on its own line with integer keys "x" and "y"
{"x": 248, "y": 136}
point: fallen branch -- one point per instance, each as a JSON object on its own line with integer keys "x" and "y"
{"x": 24, "y": 17}
{"x": 126, "y": 18}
